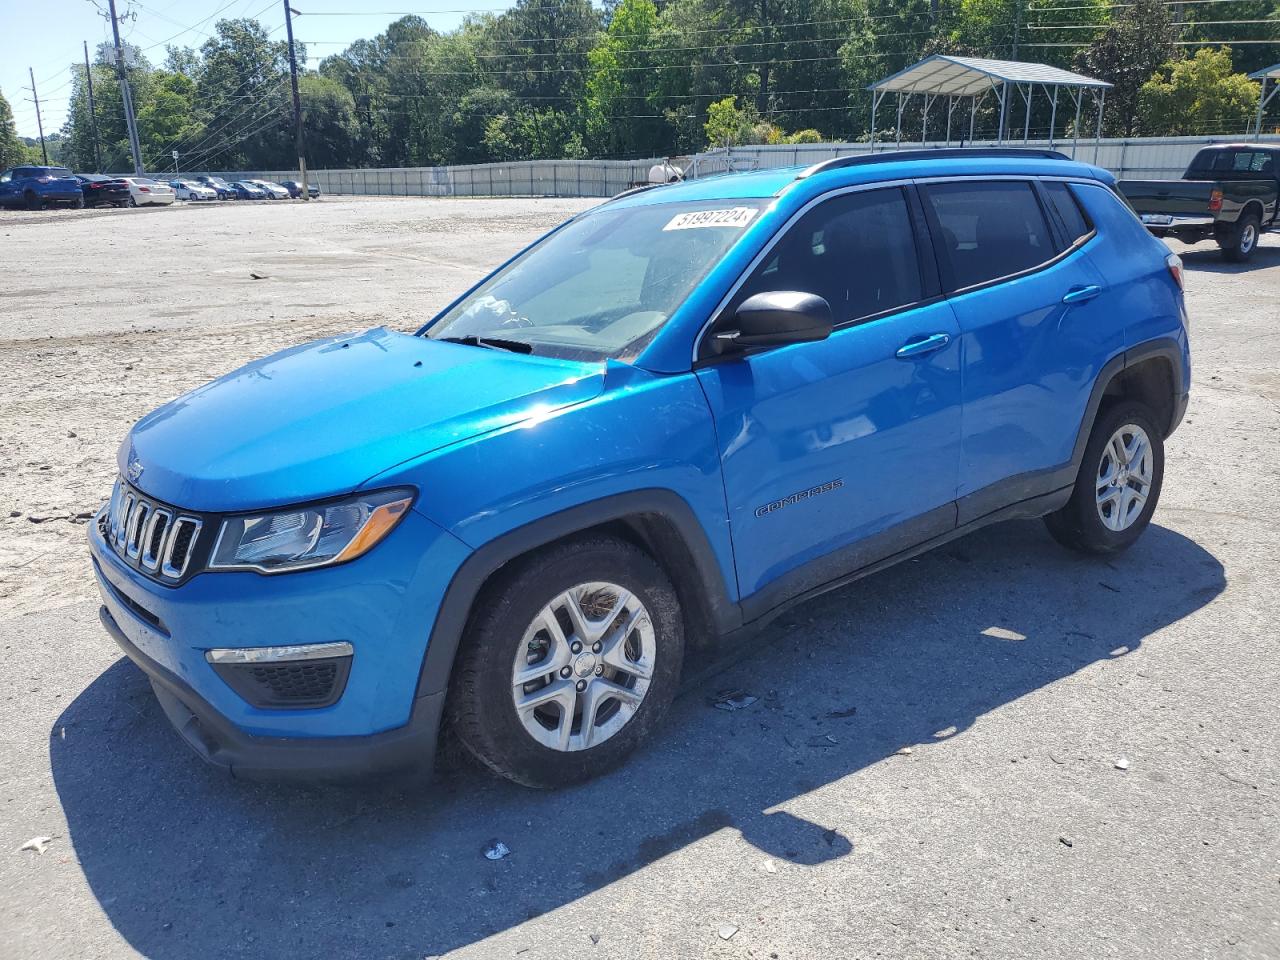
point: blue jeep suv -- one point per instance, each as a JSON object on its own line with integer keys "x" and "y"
{"x": 662, "y": 423}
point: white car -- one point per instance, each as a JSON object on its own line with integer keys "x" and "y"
{"x": 144, "y": 190}
{"x": 190, "y": 190}
{"x": 273, "y": 190}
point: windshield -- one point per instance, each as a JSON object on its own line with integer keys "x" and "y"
{"x": 601, "y": 286}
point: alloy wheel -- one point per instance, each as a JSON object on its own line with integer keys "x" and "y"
{"x": 1248, "y": 237}
{"x": 1124, "y": 477}
{"x": 583, "y": 666}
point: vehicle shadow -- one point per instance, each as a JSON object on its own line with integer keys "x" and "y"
{"x": 1207, "y": 258}
{"x": 190, "y": 864}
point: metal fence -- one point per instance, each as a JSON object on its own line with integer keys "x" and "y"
{"x": 531, "y": 178}
{"x": 1135, "y": 159}
{"x": 1149, "y": 157}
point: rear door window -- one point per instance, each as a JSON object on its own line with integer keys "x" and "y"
{"x": 985, "y": 230}
{"x": 1066, "y": 209}
{"x": 857, "y": 251}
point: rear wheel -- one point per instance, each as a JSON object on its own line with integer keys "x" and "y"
{"x": 1118, "y": 485}
{"x": 1240, "y": 240}
{"x": 133, "y": 201}
{"x": 569, "y": 662}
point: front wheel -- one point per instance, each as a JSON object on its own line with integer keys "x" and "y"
{"x": 1239, "y": 242}
{"x": 1118, "y": 485}
{"x": 569, "y": 662}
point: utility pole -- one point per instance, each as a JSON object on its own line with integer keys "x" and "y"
{"x": 297, "y": 102}
{"x": 39, "y": 122}
{"x": 1017, "y": 27}
{"x": 126, "y": 96}
{"x": 93, "y": 112}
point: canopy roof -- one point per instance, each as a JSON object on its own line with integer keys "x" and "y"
{"x": 966, "y": 76}
{"x": 1267, "y": 73}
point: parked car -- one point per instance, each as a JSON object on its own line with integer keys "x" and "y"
{"x": 666, "y": 421}
{"x": 37, "y": 187}
{"x": 143, "y": 191}
{"x": 101, "y": 190}
{"x": 1229, "y": 193}
{"x": 274, "y": 191}
{"x": 225, "y": 190}
{"x": 295, "y": 189}
{"x": 190, "y": 190}
{"x": 248, "y": 190}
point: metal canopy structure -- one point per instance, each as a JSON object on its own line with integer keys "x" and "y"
{"x": 1267, "y": 75}
{"x": 958, "y": 78}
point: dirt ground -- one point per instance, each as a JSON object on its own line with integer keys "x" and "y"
{"x": 909, "y": 781}
{"x": 114, "y": 312}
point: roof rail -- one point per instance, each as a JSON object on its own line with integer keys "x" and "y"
{"x": 891, "y": 156}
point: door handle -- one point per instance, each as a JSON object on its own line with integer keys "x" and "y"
{"x": 1081, "y": 294}
{"x": 918, "y": 348}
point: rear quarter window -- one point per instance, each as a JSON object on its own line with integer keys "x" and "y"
{"x": 1066, "y": 209}
{"x": 986, "y": 230}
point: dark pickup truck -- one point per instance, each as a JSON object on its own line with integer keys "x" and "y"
{"x": 1230, "y": 193}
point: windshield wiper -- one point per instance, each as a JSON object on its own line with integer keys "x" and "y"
{"x": 496, "y": 343}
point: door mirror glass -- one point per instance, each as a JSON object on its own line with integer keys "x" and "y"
{"x": 776, "y": 318}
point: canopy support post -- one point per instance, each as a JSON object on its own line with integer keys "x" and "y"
{"x": 1075, "y": 131}
{"x": 1004, "y": 104}
{"x": 951, "y": 105}
{"x": 897, "y": 130}
{"x": 1097, "y": 140}
{"x": 876, "y": 97}
{"x": 973, "y": 113}
{"x": 1026, "y": 96}
{"x": 1053, "y": 115}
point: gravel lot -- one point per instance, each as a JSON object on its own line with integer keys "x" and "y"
{"x": 972, "y": 805}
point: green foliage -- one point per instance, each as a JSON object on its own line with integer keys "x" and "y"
{"x": 1202, "y": 90}
{"x": 12, "y": 150}
{"x": 1140, "y": 40}
{"x": 648, "y": 78}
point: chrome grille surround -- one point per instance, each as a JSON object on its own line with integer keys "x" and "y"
{"x": 151, "y": 537}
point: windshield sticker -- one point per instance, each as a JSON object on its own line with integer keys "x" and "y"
{"x": 735, "y": 217}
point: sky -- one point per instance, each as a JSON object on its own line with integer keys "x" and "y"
{"x": 49, "y": 36}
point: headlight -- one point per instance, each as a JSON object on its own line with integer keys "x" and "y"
{"x": 317, "y": 535}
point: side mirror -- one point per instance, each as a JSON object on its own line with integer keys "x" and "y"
{"x": 774, "y": 319}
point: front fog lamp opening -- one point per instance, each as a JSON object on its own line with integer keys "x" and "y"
{"x": 315, "y": 535}
{"x": 293, "y": 677}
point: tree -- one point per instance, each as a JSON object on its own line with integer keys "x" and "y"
{"x": 242, "y": 94}
{"x": 1140, "y": 40}
{"x": 1198, "y": 95}
{"x": 12, "y": 150}
{"x": 329, "y": 122}
{"x": 623, "y": 109}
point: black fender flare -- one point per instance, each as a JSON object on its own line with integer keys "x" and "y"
{"x": 470, "y": 578}
{"x": 1163, "y": 347}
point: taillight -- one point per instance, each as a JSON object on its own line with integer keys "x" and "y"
{"x": 1215, "y": 200}
{"x": 144, "y": 189}
{"x": 1174, "y": 263}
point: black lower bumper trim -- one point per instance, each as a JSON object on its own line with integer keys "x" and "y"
{"x": 407, "y": 749}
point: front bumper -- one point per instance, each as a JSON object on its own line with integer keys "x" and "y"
{"x": 384, "y": 604}
{"x": 217, "y": 740}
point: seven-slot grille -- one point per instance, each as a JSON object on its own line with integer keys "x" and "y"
{"x": 150, "y": 536}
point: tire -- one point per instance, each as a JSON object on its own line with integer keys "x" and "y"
{"x": 133, "y": 201}
{"x": 1087, "y": 524}
{"x": 78, "y": 204}
{"x": 32, "y": 201}
{"x": 536, "y": 747}
{"x": 1239, "y": 242}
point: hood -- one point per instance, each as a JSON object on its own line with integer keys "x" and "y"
{"x": 320, "y": 419}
